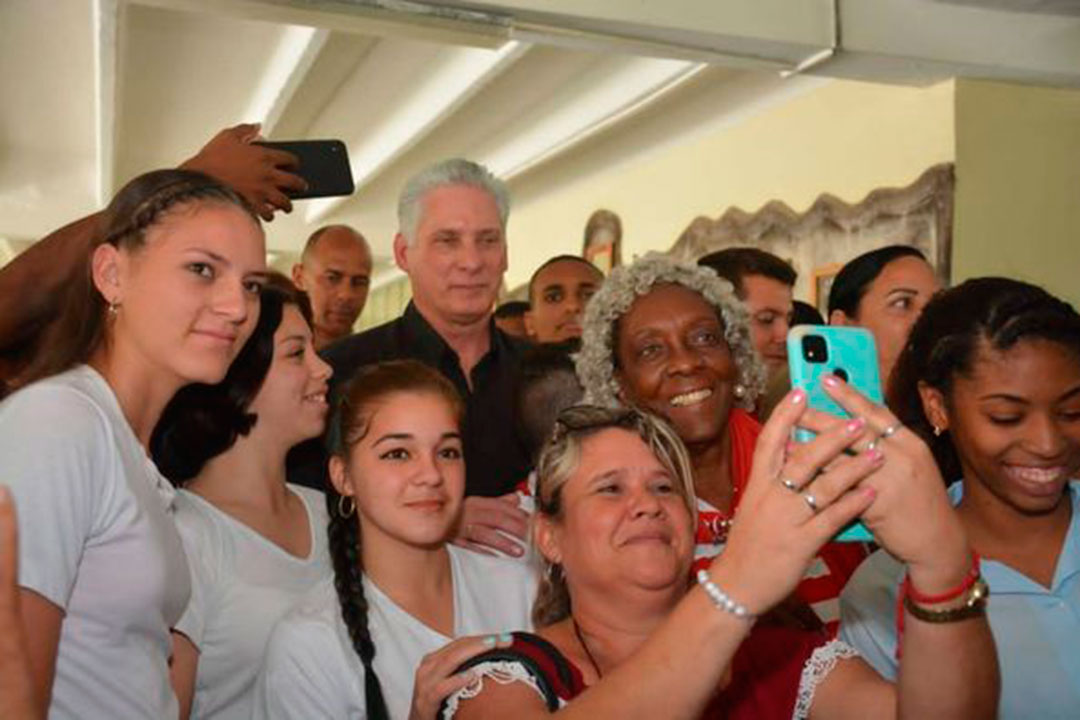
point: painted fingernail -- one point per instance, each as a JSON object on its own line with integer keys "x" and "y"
{"x": 490, "y": 640}
{"x": 876, "y": 454}
{"x": 515, "y": 550}
{"x": 855, "y": 425}
{"x": 870, "y": 492}
{"x": 798, "y": 396}
{"x": 831, "y": 380}
{"x": 506, "y": 638}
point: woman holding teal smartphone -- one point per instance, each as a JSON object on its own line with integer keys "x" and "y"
{"x": 620, "y": 635}
{"x": 990, "y": 379}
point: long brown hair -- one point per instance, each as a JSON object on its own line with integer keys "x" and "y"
{"x": 370, "y": 385}
{"x": 79, "y": 328}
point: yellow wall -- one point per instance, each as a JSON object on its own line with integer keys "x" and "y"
{"x": 845, "y": 138}
{"x": 1018, "y": 185}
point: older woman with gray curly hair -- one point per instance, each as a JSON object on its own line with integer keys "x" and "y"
{"x": 672, "y": 338}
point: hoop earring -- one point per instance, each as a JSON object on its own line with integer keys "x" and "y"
{"x": 342, "y": 512}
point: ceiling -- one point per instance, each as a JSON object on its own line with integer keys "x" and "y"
{"x": 96, "y": 91}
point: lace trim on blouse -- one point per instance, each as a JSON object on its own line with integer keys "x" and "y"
{"x": 503, "y": 672}
{"x": 816, "y": 669}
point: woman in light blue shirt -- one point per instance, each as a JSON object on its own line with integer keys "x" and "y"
{"x": 990, "y": 378}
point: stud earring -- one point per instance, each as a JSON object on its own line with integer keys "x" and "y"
{"x": 114, "y": 308}
{"x": 740, "y": 390}
{"x": 937, "y": 431}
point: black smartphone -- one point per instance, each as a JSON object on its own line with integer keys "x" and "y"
{"x": 324, "y": 164}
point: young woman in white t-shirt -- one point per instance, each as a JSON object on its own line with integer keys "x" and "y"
{"x": 168, "y": 297}
{"x": 254, "y": 543}
{"x": 376, "y": 642}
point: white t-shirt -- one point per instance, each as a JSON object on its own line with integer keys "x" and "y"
{"x": 97, "y": 539}
{"x": 241, "y": 584}
{"x": 311, "y": 671}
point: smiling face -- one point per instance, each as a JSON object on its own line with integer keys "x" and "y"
{"x": 292, "y": 400}
{"x": 892, "y": 304}
{"x": 457, "y": 259}
{"x": 407, "y": 473}
{"x": 623, "y": 521}
{"x": 188, "y": 297}
{"x": 771, "y": 306}
{"x": 1015, "y": 423}
{"x": 558, "y": 297}
{"x": 672, "y": 359}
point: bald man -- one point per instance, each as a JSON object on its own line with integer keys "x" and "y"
{"x": 335, "y": 271}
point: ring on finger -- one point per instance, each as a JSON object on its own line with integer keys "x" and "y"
{"x": 811, "y": 501}
{"x": 885, "y": 435}
{"x": 789, "y": 484}
{"x": 891, "y": 430}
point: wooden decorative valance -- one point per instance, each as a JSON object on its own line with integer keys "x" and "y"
{"x": 831, "y": 232}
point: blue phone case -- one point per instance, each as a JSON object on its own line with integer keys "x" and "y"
{"x": 852, "y": 354}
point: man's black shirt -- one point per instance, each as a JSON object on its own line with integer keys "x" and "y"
{"x": 495, "y": 457}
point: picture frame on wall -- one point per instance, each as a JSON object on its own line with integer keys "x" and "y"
{"x": 821, "y": 280}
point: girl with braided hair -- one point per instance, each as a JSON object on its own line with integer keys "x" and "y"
{"x": 990, "y": 380}
{"x": 377, "y": 641}
{"x": 167, "y": 296}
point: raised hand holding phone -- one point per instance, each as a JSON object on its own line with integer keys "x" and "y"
{"x": 323, "y": 165}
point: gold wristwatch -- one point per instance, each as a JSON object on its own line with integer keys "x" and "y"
{"x": 974, "y": 606}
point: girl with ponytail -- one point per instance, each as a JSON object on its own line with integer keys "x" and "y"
{"x": 378, "y": 640}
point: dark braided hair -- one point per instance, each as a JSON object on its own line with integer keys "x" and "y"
{"x": 79, "y": 328}
{"x": 368, "y": 386}
{"x": 945, "y": 341}
{"x": 202, "y": 421}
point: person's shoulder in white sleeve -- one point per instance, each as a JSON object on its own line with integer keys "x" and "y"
{"x": 306, "y": 674}
{"x": 868, "y": 612}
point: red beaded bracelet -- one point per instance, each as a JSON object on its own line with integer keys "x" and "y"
{"x": 908, "y": 591}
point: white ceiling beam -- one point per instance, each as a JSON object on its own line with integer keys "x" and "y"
{"x": 107, "y": 14}
{"x": 400, "y": 19}
{"x": 296, "y": 52}
{"x": 567, "y": 121}
{"x": 420, "y": 109}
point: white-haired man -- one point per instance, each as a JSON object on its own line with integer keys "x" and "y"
{"x": 452, "y": 244}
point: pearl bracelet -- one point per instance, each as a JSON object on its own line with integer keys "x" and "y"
{"x": 721, "y": 599}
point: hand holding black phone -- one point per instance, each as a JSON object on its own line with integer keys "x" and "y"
{"x": 324, "y": 165}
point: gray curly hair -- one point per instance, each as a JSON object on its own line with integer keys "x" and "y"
{"x": 596, "y": 362}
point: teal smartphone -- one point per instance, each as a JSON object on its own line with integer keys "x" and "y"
{"x": 847, "y": 352}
